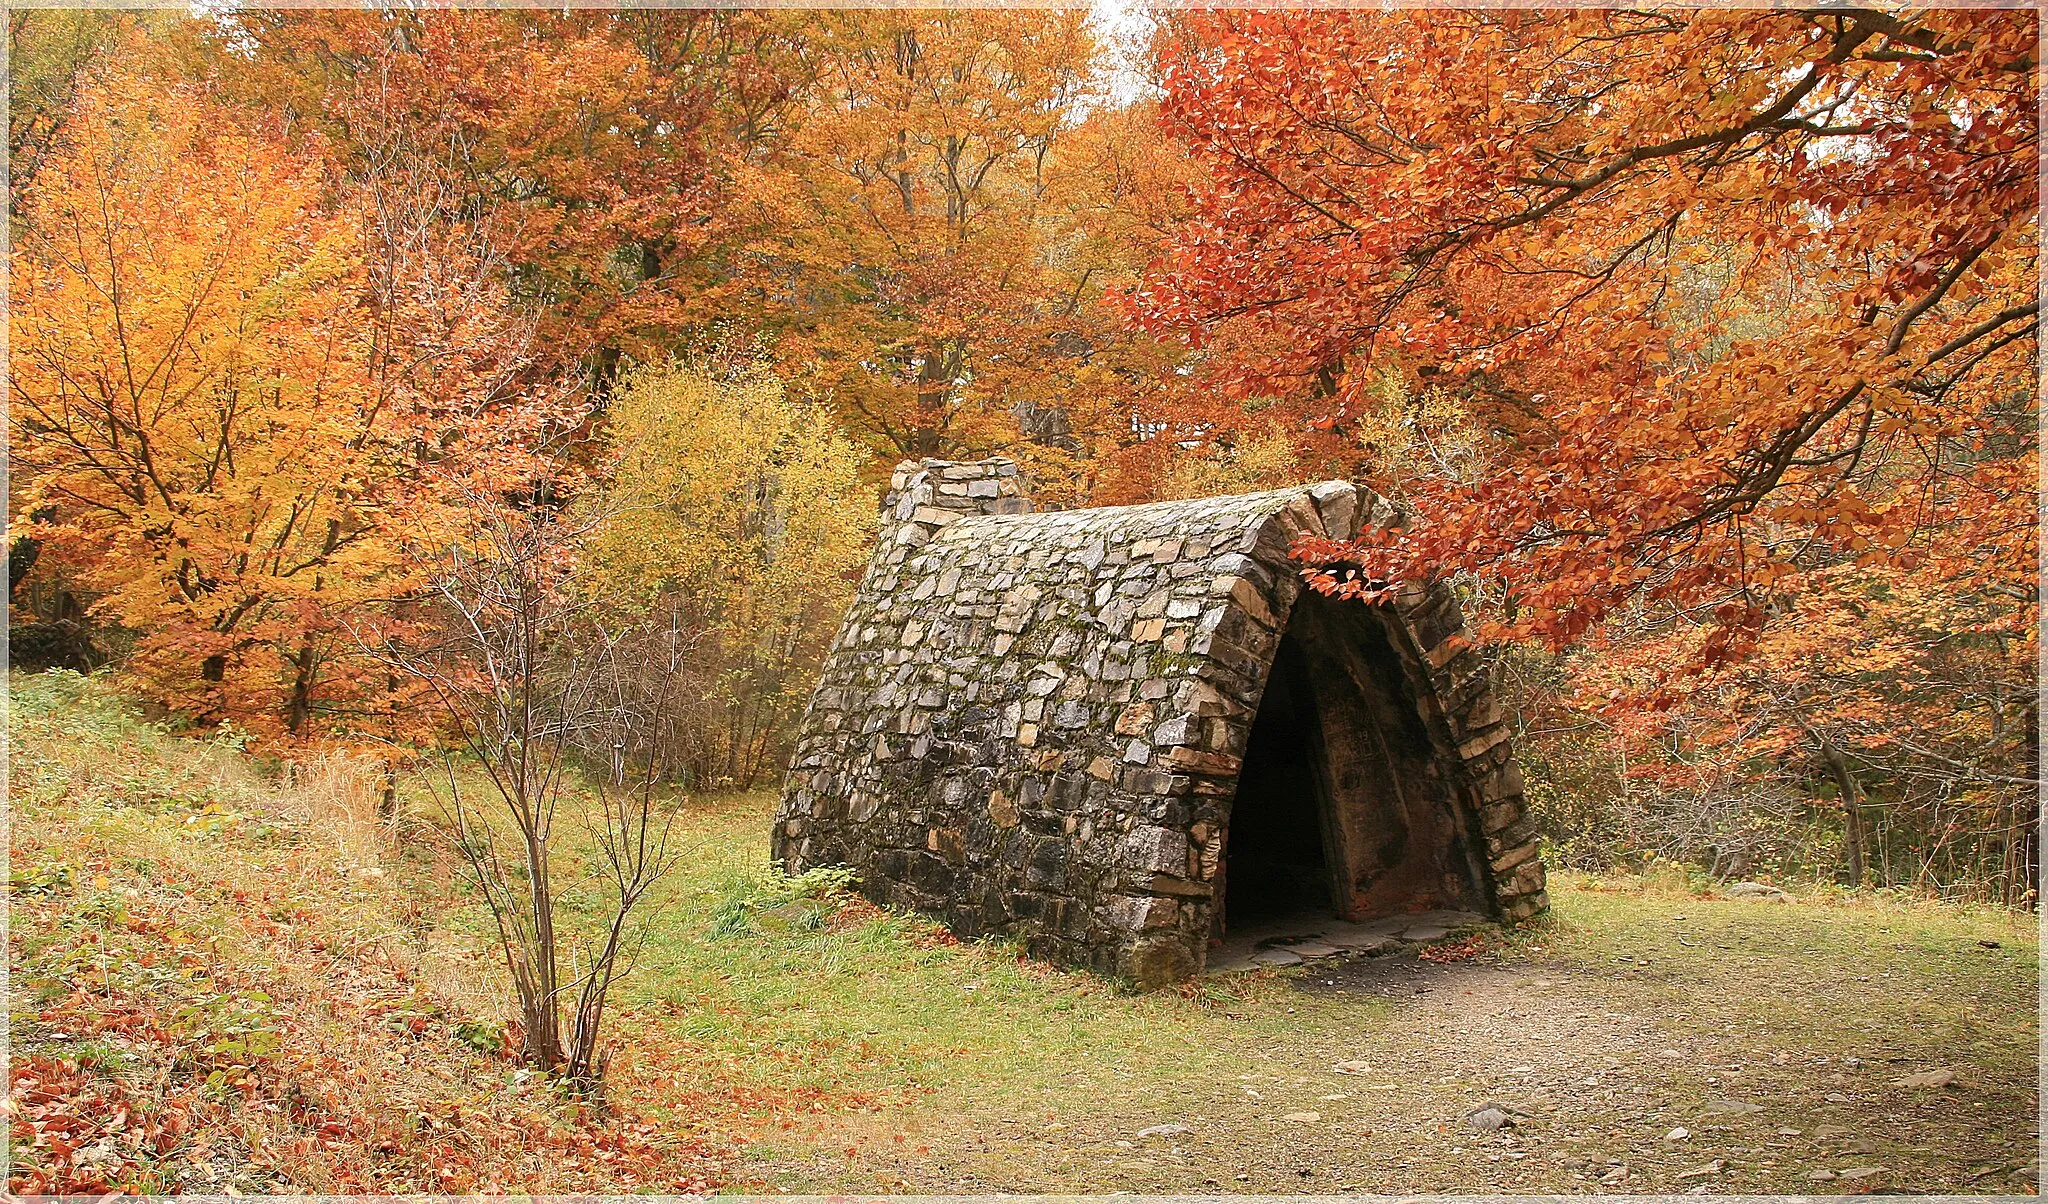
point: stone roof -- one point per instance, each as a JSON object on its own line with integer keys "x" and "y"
{"x": 1032, "y": 723}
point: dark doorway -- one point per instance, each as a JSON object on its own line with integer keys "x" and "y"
{"x": 1344, "y": 804}
{"x": 1278, "y": 864}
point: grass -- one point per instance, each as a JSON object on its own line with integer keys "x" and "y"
{"x": 1951, "y": 976}
{"x": 280, "y": 996}
{"x": 841, "y": 996}
{"x": 217, "y": 987}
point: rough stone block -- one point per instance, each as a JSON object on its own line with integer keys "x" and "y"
{"x": 1337, "y": 503}
{"x": 1514, "y": 857}
{"x": 1195, "y": 760}
{"x": 1155, "y": 850}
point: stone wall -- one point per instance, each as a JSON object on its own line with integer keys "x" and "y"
{"x": 1032, "y": 724}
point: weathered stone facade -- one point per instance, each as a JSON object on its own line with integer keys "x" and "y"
{"x": 1037, "y": 724}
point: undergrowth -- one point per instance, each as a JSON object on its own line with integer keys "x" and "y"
{"x": 210, "y": 992}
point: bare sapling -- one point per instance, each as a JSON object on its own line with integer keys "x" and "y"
{"x": 632, "y": 743}
{"x": 549, "y": 700}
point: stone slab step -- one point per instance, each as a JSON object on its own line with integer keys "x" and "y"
{"x": 1294, "y": 944}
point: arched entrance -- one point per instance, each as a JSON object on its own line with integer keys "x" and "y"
{"x": 1345, "y": 808}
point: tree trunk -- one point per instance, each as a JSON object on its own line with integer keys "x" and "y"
{"x": 387, "y": 799}
{"x": 1852, "y": 812}
{"x": 21, "y": 557}
{"x": 2023, "y": 880}
{"x": 23, "y": 552}
{"x": 300, "y": 707}
{"x": 934, "y": 382}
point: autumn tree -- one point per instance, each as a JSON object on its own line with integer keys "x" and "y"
{"x": 934, "y": 232}
{"x": 184, "y": 392}
{"x": 591, "y": 150}
{"x": 1713, "y": 272}
{"x": 917, "y": 216}
{"x": 1905, "y": 704}
{"x": 49, "y": 53}
{"x": 1729, "y": 318}
{"x": 220, "y": 420}
{"x": 1116, "y": 192}
{"x": 741, "y": 513}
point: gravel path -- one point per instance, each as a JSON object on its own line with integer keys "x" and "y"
{"x": 1609, "y": 1078}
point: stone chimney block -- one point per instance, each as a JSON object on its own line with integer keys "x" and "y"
{"x": 933, "y": 493}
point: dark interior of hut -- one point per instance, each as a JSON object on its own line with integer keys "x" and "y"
{"x": 1344, "y": 804}
{"x": 1278, "y": 863}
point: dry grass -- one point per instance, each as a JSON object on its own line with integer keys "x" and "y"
{"x": 217, "y": 986}
{"x": 333, "y": 796}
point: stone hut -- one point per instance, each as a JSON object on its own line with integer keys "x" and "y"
{"x": 1117, "y": 733}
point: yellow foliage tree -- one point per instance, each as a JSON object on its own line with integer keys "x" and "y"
{"x": 743, "y": 510}
{"x": 187, "y": 400}
{"x": 237, "y": 386}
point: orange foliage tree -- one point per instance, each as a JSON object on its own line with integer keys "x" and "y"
{"x": 184, "y": 395}
{"x": 590, "y": 150}
{"x": 932, "y": 235}
{"x": 916, "y": 215}
{"x": 1736, "y": 314}
{"x": 1908, "y": 705}
{"x": 221, "y": 419}
{"x": 1711, "y": 275}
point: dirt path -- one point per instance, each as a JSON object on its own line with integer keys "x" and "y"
{"x": 1599, "y": 1068}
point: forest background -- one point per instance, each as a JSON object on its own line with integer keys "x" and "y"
{"x": 1702, "y": 346}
